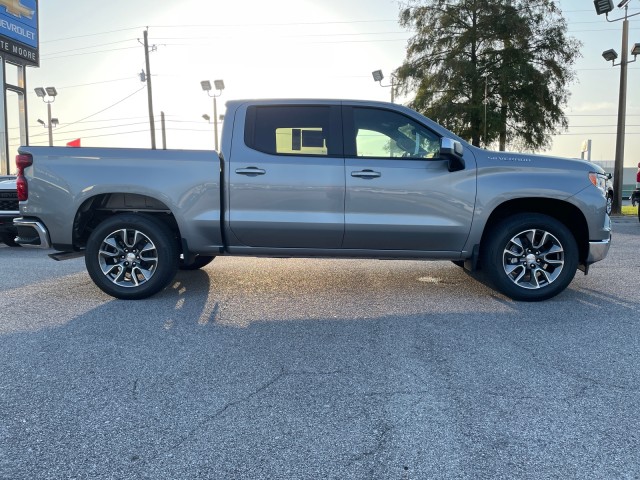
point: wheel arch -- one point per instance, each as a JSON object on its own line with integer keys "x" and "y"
{"x": 565, "y": 212}
{"x": 102, "y": 206}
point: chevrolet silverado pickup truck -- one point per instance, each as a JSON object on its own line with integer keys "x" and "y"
{"x": 316, "y": 178}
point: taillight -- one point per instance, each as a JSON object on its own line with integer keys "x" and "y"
{"x": 22, "y": 161}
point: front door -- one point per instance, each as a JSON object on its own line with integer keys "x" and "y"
{"x": 399, "y": 193}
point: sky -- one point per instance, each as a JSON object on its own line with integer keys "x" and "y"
{"x": 91, "y": 52}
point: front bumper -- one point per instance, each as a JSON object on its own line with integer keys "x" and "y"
{"x": 31, "y": 233}
{"x": 598, "y": 250}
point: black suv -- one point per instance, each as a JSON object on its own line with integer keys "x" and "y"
{"x": 635, "y": 195}
{"x": 8, "y": 210}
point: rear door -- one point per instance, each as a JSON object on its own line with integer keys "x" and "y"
{"x": 399, "y": 192}
{"x": 286, "y": 178}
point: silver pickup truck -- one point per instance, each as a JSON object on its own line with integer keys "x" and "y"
{"x": 316, "y": 178}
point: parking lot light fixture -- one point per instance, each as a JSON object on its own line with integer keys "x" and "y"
{"x": 610, "y": 55}
{"x": 603, "y": 6}
{"x": 219, "y": 86}
{"x": 48, "y": 96}
{"x": 378, "y": 77}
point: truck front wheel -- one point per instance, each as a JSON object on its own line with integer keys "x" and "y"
{"x": 530, "y": 257}
{"x": 131, "y": 256}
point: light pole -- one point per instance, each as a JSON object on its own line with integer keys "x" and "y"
{"x": 606, "y": 6}
{"x": 48, "y": 96}
{"x": 378, "y": 77}
{"x": 219, "y": 86}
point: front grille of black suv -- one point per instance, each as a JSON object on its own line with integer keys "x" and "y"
{"x": 9, "y": 201}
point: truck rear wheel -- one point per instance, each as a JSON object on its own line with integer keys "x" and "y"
{"x": 131, "y": 256}
{"x": 530, "y": 257}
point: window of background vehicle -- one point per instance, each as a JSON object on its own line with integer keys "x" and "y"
{"x": 387, "y": 134}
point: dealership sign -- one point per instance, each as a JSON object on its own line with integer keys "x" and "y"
{"x": 19, "y": 31}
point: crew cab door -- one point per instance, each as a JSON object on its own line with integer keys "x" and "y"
{"x": 286, "y": 177}
{"x": 400, "y": 194}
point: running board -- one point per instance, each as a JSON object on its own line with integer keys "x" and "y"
{"x": 58, "y": 256}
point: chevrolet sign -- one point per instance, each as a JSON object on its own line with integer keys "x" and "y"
{"x": 19, "y": 30}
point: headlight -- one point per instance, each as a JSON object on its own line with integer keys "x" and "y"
{"x": 599, "y": 180}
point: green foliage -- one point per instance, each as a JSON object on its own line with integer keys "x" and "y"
{"x": 517, "y": 51}
{"x": 629, "y": 210}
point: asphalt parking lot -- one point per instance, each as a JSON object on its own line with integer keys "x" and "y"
{"x": 319, "y": 369}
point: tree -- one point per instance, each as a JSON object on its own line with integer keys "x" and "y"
{"x": 489, "y": 70}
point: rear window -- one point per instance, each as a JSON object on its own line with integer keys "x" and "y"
{"x": 288, "y": 130}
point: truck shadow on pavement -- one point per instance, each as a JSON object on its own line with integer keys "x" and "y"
{"x": 247, "y": 369}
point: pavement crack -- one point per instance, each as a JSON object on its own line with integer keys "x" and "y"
{"x": 218, "y": 413}
{"x": 134, "y": 390}
{"x": 377, "y": 447}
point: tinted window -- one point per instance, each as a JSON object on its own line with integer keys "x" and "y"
{"x": 293, "y": 130}
{"x": 387, "y": 134}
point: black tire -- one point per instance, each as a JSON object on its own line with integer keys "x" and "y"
{"x": 199, "y": 262}
{"x": 9, "y": 239}
{"x": 609, "y": 203}
{"x": 530, "y": 257}
{"x": 131, "y": 256}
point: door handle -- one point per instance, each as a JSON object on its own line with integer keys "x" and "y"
{"x": 251, "y": 171}
{"x": 366, "y": 174}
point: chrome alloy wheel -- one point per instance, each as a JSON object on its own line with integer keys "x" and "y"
{"x": 533, "y": 259}
{"x": 128, "y": 258}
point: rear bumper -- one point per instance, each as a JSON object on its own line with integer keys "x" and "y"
{"x": 31, "y": 233}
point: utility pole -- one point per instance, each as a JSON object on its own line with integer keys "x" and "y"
{"x": 164, "y": 131}
{"x": 606, "y": 6}
{"x": 618, "y": 167}
{"x": 152, "y": 126}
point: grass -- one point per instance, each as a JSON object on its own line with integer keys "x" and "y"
{"x": 629, "y": 210}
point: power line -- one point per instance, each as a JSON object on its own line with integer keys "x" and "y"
{"x": 107, "y": 108}
{"x": 98, "y": 112}
{"x": 96, "y": 83}
{"x": 595, "y": 133}
{"x": 120, "y": 133}
{"x": 599, "y": 115}
{"x": 46, "y": 57}
{"x": 87, "y": 48}
{"x": 95, "y": 34}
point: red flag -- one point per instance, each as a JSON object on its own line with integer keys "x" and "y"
{"x": 74, "y": 143}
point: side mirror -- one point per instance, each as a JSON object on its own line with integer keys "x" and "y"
{"x": 452, "y": 150}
